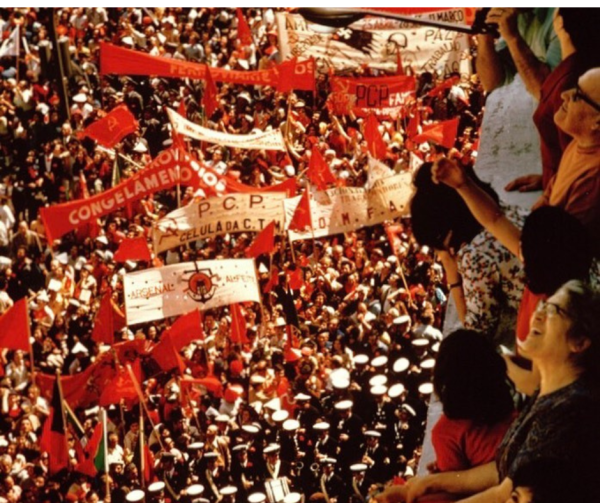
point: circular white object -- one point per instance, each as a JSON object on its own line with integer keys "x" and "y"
{"x": 401, "y": 364}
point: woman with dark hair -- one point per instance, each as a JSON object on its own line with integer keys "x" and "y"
{"x": 553, "y": 245}
{"x": 485, "y": 280}
{"x": 560, "y": 422}
{"x": 469, "y": 378}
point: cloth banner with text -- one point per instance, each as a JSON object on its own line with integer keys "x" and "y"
{"x": 375, "y": 42}
{"x": 344, "y": 209}
{"x": 270, "y": 140}
{"x": 218, "y": 215}
{"x": 289, "y": 74}
{"x": 158, "y": 293}
{"x": 384, "y": 96}
{"x": 162, "y": 173}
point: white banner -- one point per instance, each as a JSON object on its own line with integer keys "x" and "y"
{"x": 270, "y": 140}
{"x": 10, "y": 47}
{"x": 158, "y": 293}
{"x": 375, "y": 42}
{"x": 219, "y": 215}
{"x": 345, "y": 209}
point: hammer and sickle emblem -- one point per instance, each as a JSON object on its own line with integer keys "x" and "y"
{"x": 112, "y": 123}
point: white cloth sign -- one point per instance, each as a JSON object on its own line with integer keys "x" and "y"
{"x": 210, "y": 217}
{"x": 345, "y": 209}
{"x": 269, "y": 140}
{"x": 158, "y": 293}
{"x": 375, "y": 42}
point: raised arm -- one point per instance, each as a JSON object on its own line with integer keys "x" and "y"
{"x": 482, "y": 206}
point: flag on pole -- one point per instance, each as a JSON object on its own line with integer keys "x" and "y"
{"x": 302, "y": 218}
{"x": 209, "y": 99}
{"x": 238, "y": 325}
{"x": 185, "y": 330}
{"x": 443, "y": 133}
{"x": 263, "y": 242}
{"x": 244, "y": 33}
{"x": 14, "y": 327}
{"x": 133, "y": 249}
{"x": 375, "y": 143}
{"x": 109, "y": 319}
{"x": 112, "y": 128}
{"x": 53, "y": 440}
{"x": 318, "y": 171}
{"x": 93, "y": 450}
{"x": 10, "y": 47}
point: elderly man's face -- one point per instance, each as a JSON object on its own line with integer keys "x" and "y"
{"x": 580, "y": 111}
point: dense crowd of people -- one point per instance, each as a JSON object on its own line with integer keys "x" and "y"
{"x": 326, "y": 398}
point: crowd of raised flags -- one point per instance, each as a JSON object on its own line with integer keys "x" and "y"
{"x": 110, "y": 320}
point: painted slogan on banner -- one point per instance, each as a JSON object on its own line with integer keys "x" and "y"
{"x": 344, "y": 209}
{"x": 375, "y": 42}
{"x": 158, "y": 293}
{"x": 219, "y": 215}
{"x": 269, "y": 140}
{"x": 385, "y": 96}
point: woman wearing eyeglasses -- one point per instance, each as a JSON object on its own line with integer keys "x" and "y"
{"x": 561, "y": 420}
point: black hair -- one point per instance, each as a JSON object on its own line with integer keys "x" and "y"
{"x": 470, "y": 379}
{"x": 437, "y": 209}
{"x": 556, "y": 248}
{"x": 582, "y": 27}
{"x": 549, "y": 480}
{"x": 583, "y": 306}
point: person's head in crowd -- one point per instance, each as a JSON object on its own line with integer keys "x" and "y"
{"x": 469, "y": 378}
{"x": 440, "y": 217}
{"x": 563, "y": 335}
{"x": 555, "y": 248}
{"x": 545, "y": 480}
{"x": 579, "y": 116}
{"x": 578, "y": 26}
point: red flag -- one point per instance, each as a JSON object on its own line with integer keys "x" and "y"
{"x": 83, "y": 188}
{"x": 133, "y": 249}
{"x": 238, "y": 325}
{"x": 294, "y": 74}
{"x": 166, "y": 356}
{"x": 443, "y": 133}
{"x": 393, "y": 231}
{"x": 318, "y": 171}
{"x": 243, "y": 30}
{"x": 111, "y": 129}
{"x": 181, "y": 108}
{"x": 295, "y": 278}
{"x": 375, "y": 143}
{"x": 413, "y": 124}
{"x": 187, "y": 328}
{"x": 209, "y": 99}
{"x": 109, "y": 319}
{"x": 263, "y": 242}
{"x": 53, "y": 439}
{"x": 302, "y": 218}
{"x": 447, "y": 84}
{"x": 121, "y": 387}
{"x": 211, "y": 383}
{"x": 14, "y": 327}
{"x": 88, "y": 467}
{"x": 273, "y": 280}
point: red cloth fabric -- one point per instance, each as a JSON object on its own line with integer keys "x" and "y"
{"x": 460, "y": 444}
{"x": 14, "y": 327}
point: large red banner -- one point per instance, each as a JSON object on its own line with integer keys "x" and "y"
{"x": 381, "y": 95}
{"x": 121, "y": 61}
{"x": 160, "y": 174}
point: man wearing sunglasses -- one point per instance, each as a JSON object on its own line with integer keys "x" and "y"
{"x": 576, "y": 185}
